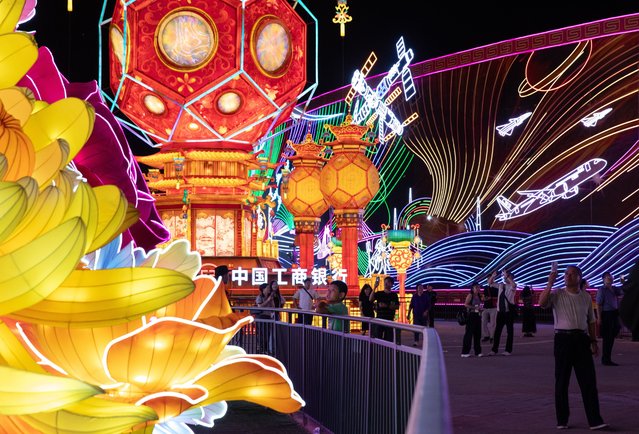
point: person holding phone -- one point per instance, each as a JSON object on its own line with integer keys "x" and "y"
{"x": 505, "y": 313}
{"x": 366, "y": 306}
{"x": 575, "y": 344}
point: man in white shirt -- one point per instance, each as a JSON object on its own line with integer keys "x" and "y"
{"x": 575, "y": 344}
{"x": 304, "y": 299}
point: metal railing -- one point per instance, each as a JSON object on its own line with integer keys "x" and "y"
{"x": 354, "y": 383}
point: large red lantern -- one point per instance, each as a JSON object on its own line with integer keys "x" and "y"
{"x": 206, "y": 70}
{"x": 206, "y": 80}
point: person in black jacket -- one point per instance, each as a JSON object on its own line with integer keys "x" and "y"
{"x": 366, "y": 306}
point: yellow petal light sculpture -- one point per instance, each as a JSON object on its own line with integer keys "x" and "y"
{"x": 124, "y": 340}
{"x": 168, "y": 363}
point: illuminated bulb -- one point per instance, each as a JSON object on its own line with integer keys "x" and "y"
{"x": 154, "y": 104}
{"x": 140, "y": 378}
{"x": 193, "y": 126}
{"x": 117, "y": 43}
{"x": 229, "y": 102}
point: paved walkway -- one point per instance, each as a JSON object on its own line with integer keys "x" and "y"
{"x": 515, "y": 394}
{"x": 495, "y": 395}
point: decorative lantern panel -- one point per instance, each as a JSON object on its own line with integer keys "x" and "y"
{"x": 182, "y": 70}
{"x": 349, "y": 181}
{"x": 304, "y": 196}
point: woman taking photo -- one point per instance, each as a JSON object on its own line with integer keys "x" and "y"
{"x": 366, "y": 306}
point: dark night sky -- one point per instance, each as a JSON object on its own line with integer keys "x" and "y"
{"x": 440, "y": 29}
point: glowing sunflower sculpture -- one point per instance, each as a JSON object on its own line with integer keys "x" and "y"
{"x": 126, "y": 340}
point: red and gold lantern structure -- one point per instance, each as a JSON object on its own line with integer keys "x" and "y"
{"x": 302, "y": 196}
{"x": 206, "y": 80}
{"x": 349, "y": 181}
{"x": 403, "y": 242}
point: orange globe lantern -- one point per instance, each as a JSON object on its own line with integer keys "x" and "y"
{"x": 401, "y": 257}
{"x": 302, "y": 196}
{"x": 348, "y": 182}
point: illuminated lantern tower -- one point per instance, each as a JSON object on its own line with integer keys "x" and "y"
{"x": 403, "y": 242}
{"x": 206, "y": 80}
{"x": 348, "y": 181}
{"x": 302, "y": 196}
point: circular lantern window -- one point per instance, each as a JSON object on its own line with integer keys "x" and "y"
{"x": 271, "y": 46}
{"x": 117, "y": 43}
{"x": 229, "y": 102}
{"x": 154, "y": 104}
{"x": 186, "y": 39}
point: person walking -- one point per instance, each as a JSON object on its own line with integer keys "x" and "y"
{"x": 505, "y": 313}
{"x": 608, "y": 317}
{"x": 489, "y": 313}
{"x": 575, "y": 343}
{"x": 419, "y": 305}
{"x": 528, "y": 321}
{"x": 366, "y": 306}
{"x": 472, "y": 334}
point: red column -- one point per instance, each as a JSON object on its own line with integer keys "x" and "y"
{"x": 402, "y": 296}
{"x": 348, "y": 221}
{"x": 307, "y": 259}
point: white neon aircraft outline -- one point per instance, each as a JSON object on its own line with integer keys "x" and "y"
{"x": 564, "y": 188}
{"x": 592, "y": 119}
{"x": 507, "y": 129}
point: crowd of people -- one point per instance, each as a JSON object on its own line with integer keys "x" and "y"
{"x": 489, "y": 310}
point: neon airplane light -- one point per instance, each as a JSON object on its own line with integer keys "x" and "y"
{"x": 564, "y": 188}
{"x": 592, "y": 119}
{"x": 375, "y": 99}
{"x": 507, "y": 129}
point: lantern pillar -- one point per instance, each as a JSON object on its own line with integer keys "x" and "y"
{"x": 401, "y": 258}
{"x": 301, "y": 194}
{"x": 405, "y": 245}
{"x": 349, "y": 181}
{"x": 305, "y": 229}
{"x": 348, "y": 222}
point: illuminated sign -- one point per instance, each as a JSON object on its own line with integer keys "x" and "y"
{"x": 258, "y": 275}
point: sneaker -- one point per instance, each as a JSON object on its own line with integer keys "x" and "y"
{"x": 506, "y": 353}
{"x": 600, "y": 426}
{"x": 562, "y": 426}
{"x": 480, "y": 355}
{"x": 465, "y": 356}
{"x": 492, "y": 353}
